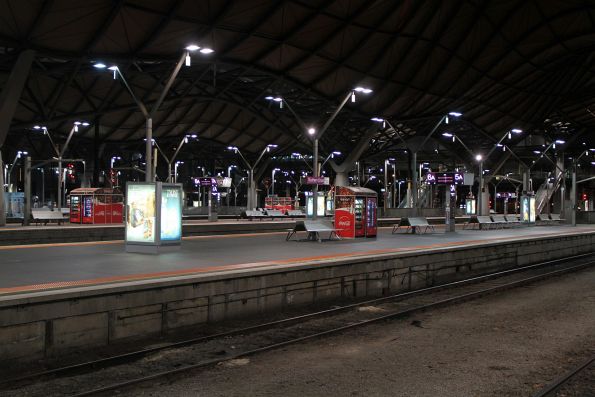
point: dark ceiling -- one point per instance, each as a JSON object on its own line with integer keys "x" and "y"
{"x": 504, "y": 64}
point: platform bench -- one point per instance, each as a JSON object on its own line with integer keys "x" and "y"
{"x": 313, "y": 230}
{"x": 482, "y": 221}
{"x": 501, "y": 221}
{"x": 253, "y": 214}
{"x": 272, "y": 214}
{"x": 295, "y": 214}
{"x": 555, "y": 218}
{"x": 413, "y": 224}
{"x": 45, "y": 216}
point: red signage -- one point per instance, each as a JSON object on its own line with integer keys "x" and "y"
{"x": 344, "y": 216}
{"x": 316, "y": 180}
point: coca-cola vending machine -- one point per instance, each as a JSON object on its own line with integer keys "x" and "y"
{"x": 356, "y": 212}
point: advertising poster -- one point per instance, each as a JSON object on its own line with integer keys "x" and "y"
{"x": 532, "y": 209}
{"x": 345, "y": 216}
{"x": 140, "y": 223}
{"x": 171, "y": 213}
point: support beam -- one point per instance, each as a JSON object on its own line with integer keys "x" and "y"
{"x": 360, "y": 147}
{"x": 27, "y": 211}
{"x": 11, "y": 94}
{"x": 2, "y": 208}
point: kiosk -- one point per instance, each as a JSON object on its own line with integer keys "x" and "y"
{"x": 96, "y": 206}
{"x": 153, "y": 217}
{"x": 356, "y": 212}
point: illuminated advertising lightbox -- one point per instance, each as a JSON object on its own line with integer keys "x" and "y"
{"x": 528, "y": 209}
{"x": 171, "y": 213}
{"x": 320, "y": 210}
{"x": 140, "y": 207}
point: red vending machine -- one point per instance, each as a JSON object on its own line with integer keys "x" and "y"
{"x": 356, "y": 212}
{"x": 96, "y": 206}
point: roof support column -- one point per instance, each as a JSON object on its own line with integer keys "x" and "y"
{"x": 346, "y": 166}
{"x": 9, "y": 100}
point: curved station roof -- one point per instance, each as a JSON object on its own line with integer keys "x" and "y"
{"x": 503, "y": 65}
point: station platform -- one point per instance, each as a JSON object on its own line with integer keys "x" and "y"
{"x": 46, "y": 267}
{"x": 62, "y": 297}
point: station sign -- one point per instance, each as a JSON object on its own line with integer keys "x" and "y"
{"x": 211, "y": 182}
{"x": 313, "y": 180}
{"x": 445, "y": 178}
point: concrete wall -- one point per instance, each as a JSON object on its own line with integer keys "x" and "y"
{"x": 45, "y": 324}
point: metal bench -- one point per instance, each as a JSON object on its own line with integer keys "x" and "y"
{"x": 413, "y": 224}
{"x": 275, "y": 214}
{"x": 555, "y": 218}
{"x": 296, "y": 214}
{"x": 513, "y": 220}
{"x": 45, "y": 216}
{"x": 500, "y": 221}
{"x": 482, "y": 222}
{"x": 253, "y": 214}
{"x": 313, "y": 230}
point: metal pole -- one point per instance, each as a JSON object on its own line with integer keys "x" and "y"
{"x": 149, "y": 151}
{"x": 573, "y": 196}
{"x": 394, "y": 183}
{"x": 414, "y": 182}
{"x": 273, "y": 182}
{"x": 59, "y": 198}
{"x": 315, "y": 187}
{"x": 250, "y": 198}
{"x": 27, "y": 213}
{"x": 2, "y": 209}
{"x": 386, "y": 195}
{"x": 480, "y": 190}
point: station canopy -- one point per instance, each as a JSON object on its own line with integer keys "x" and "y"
{"x": 502, "y": 64}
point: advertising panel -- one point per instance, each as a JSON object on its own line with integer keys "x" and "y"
{"x": 171, "y": 214}
{"x": 140, "y": 205}
{"x": 345, "y": 216}
{"x": 313, "y": 180}
{"x": 528, "y": 209}
{"x": 320, "y": 210}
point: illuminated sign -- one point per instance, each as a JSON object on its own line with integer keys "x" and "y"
{"x": 140, "y": 207}
{"x": 445, "y": 178}
{"x": 171, "y": 213}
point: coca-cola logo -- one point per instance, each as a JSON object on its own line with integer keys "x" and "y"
{"x": 344, "y": 222}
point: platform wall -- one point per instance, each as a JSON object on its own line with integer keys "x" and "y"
{"x": 43, "y": 324}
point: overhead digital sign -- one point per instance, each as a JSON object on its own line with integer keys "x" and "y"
{"x": 445, "y": 178}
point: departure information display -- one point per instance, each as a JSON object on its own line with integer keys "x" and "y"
{"x": 445, "y": 178}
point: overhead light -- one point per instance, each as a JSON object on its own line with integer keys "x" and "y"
{"x": 447, "y": 134}
{"x": 517, "y": 130}
{"x": 337, "y": 153}
{"x": 188, "y": 61}
{"x": 85, "y": 124}
{"x": 455, "y": 114}
{"x": 99, "y": 65}
{"x": 311, "y": 131}
{"x": 353, "y": 97}
{"x": 377, "y": 119}
{"x": 560, "y": 141}
{"x": 268, "y": 98}
{"x": 478, "y": 157}
{"x": 272, "y": 145}
{"x": 362, "y": 90}
{"x": 278, "y": 99}
{"x": 114, "y": 68}
{"x": 192, "y": 47}
{"x": 499, "y": 145}
{"x": 536, "y": 152}
{"x": 206, "y": 51}
{"x": 36, "y": 127}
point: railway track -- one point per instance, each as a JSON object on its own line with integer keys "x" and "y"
{"x": 109, "y": 374}
{"x": 553, "y": 388}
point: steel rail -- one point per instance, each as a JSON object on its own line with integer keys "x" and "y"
{"x": 132, "y": 356}
{"x": 564, "y": 379}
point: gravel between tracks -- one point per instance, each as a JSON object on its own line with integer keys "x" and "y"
{"x": 509, "y": 344}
